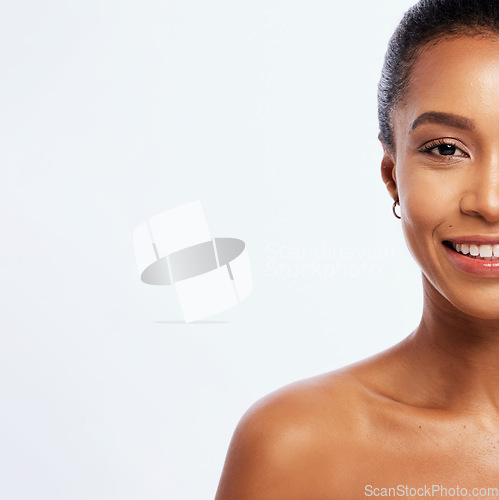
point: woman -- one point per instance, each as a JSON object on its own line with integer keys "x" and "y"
{"x": 422, "y": 416}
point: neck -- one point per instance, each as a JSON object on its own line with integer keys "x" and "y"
{"x": 453, "y": 357}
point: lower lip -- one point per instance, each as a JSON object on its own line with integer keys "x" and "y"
{"x": 478, "y": 267}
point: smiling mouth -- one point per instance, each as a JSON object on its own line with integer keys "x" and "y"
{"x": 477, "y": 252}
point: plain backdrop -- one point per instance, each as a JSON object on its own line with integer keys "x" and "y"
{"x": 112, "y": 111}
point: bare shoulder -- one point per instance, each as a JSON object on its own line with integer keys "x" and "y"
{"x": 331, "y": 435}
{"x": 293, "y": 438}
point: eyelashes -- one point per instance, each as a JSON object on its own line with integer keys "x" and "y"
{"x": 443, "y": 148}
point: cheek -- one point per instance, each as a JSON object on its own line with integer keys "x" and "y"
{"x": 428, "y": 203}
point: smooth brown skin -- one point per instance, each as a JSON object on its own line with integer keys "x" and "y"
{"x": 425, "y": 411}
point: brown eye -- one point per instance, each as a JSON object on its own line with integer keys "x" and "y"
{"x": 442, "y": 148}
{"x": 446, "y": 149}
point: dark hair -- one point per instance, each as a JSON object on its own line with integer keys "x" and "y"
{"x": 429, "y": 21}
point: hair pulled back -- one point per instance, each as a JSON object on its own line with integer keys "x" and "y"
{"x": 427, "y": 22}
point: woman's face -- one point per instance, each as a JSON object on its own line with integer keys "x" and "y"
{"x": 445, "y": 170}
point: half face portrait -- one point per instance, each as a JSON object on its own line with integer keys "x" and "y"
{"x": 426, "y": 410}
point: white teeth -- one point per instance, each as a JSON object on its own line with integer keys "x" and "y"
{"x": 485, "y": 251}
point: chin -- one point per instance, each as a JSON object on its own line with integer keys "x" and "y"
{"x": 478, "y": 301}
{"x": 479, "y": 308}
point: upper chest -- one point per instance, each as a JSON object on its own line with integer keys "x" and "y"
{"x": 400, "y": 450}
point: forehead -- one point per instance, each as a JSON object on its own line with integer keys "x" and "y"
{"x": 457, "y": 75}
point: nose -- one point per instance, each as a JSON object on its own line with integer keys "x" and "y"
{"x": 482, "y": 191}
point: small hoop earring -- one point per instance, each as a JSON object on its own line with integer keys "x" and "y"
{"x": 395, "y": 203}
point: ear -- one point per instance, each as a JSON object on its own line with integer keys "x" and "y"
{"x": 388, "y": 171}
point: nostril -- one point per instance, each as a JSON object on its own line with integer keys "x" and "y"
{"x": 482, "y": 206}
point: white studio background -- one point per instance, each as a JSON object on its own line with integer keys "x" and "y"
{"x": 113, "y": 111}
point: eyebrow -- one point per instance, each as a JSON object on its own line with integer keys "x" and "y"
{"x": 449, "y": 119}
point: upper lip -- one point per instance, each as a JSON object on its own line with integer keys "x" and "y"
{"x": 477, "y": 239}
